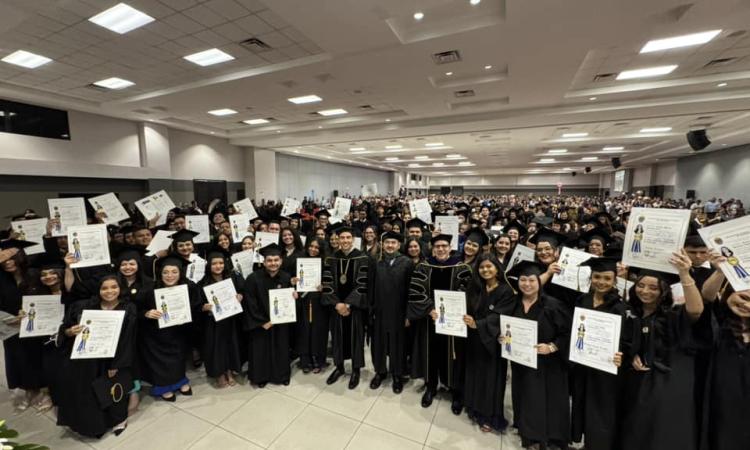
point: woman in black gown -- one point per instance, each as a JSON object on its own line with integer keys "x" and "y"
{"x": 221, "y": 348}
{"x": 78, "y": 406}
{"x": 660, "y": 410}
{"x": 290, "y": 241}
{"x": 489, "y": 296}
{"x": 313, "y": 319}
{"x": 541, "y": 410}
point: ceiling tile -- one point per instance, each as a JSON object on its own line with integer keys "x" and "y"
{"x": 272, "y": 19}
{"x": 252, "y": 5}
{"x": 229, "y": 9}
{"x": 179, "y": 5}
{"x": 276, "y": 39}
{"x": 183, "y": 23}
{"x": 205, "y": 16}
{"x": 253, "y": 25}
{"x": 212, "y": 38}
{"x": 165, "y": 30}
{"x": 232, "y": 32}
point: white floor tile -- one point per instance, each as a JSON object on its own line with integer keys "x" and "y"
{"x": 402, "y": 414}
{"x": 371, "y": 438}
{"x": 173, "y": 430}
{"x": 353, "y": 403}
{"x": 264, "y": 417}
{"x": 224, "y": 440}
{"x": 451, "y": 432}
{"x": 212, "y": 404}
{"x": 315, "y": 429}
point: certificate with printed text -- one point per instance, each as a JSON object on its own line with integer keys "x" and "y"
{"x": 174, "y": 305}
{"x": 571, "y": 275}
{"x": 69, "y": 212}
{"x": 222, "y": 297}
{"x": 32, "y": 230}
{"x": 100, "y": 334}
{"x": 89, "y": 244}
{"x": 732, "y": 240}
{"x": 44, "y": 314}
{"x": 281, "y": 306}
{"x": 519, "y": 340}
{"x": 595, "y": 338}
{"x": 110, "y": 205}
{"x": 451, "y": 309}
{"x": 653, "y": 234}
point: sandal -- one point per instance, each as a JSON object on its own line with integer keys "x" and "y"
{"x": 44, "y": 405}
{"x": 486, "y": 428}
{"x": 231, "y": 381}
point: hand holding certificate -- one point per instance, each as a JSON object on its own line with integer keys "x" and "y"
{"x": 281, "y": 308}
{"x": 308, "y": 274}
{"x": 223, "y": 299}
{"x": 571, "y": 275}
{"x": 264, "y": 238}
{"x": 732, "y": 240}
{"x": 421, "y": 209}
{"x": 519, "y": 340}
{"x": 199, "y": 224}
{"x": 89, "y": 245}
{"x": 290, "y": 207}
{"x": 32, "y": 230}
{"x": 245, "y": 206}
{"x": 99, "y": 335}
{"x": 110, "y": 207}
{"x": 243, "y": 262}
{"x": 451, "y": 309}
{"x": 174, "y": 305}
{"x": 341, "y": 208}
{"x": 44, "y": 314}
{"x": 155, "y": 204}
{"x": 66, "y": 212}
{"x": 240, "y": 224}
{"x": 595, "y": 338}
{"x": 653, "y": 235}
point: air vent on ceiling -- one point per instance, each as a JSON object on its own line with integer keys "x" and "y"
{"x": 721, "y": 62}
{"x": 255, "y": 45}
{"x": 496, "y": 154}
{"x": 464, "y": 93}
{"x": 604, "y": 77}
{"x": 450, "y": 56}
{"x": 366, "y": 108}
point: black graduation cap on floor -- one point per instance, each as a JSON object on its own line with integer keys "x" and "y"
{"x": 522, "y": 230}
{"x": 15, "y": 243}
{"x": 525, "y": 268}
{"x": 546, "y": 235}
{"x": 596, "y": 233}
{"x": 477, "y": 235}
{"x": 271, "y": 250}
{"x": 184, "y": 235}
{"x": 441, "y": 237}
{"x": 322, "y": 212}
{"x": 416, "y": 223}
{"x": 601, "y": 264}
{"x": 392, "y": 235}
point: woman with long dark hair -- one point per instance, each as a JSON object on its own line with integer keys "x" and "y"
{"x": 414, "y": 250}
{"x": 660, "y": 411}
{"x": 291, "y": 243}
{"x": 488, "y": 296}
{"x": 313, "y": 318}
{"x": 78, "y": 406}
{"x": 370, "y": 241}
{"x": 502, "y": 248}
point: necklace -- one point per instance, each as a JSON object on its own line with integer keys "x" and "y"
{"x": 343, "y": 270}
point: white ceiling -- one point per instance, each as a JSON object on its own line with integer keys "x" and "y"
{"x": 374, "y": 60}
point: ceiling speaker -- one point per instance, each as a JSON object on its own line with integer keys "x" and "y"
{"x": 616, "y": 162}
{"x": 698, "y": 139}
{"x": 587, "y": 170}
{"x": 574, "y": 174}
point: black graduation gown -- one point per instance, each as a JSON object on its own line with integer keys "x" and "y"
{"x": 78, "y": 407}
{"x": 728, "y": 394}
{"x": 389, "y": 281}
{"x": 436, "y": 357}
{"x": 221, "y": 347}
{"x": 486, "y": 371}
{"x": 541, "y": 410}
{"x": 163, "y": 350}
{"x": 268, "y": 349}
{"x": 597, "y": 395}
{"x": 312, "y": 328}
{"x": 348, "y": 332}
{"x": 660, "y": 410}
{"x": 23, "y": 357}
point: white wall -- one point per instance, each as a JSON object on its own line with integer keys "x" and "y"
{"x": 642, "y": 176}
{"x": 300, "y": 177}
{"x": 666, "y": 173}
{"x": 722, "y": 173}
{"x": 507, "y": 181}
{"x": 197, "y": 156}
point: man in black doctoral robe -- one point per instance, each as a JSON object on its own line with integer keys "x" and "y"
{"x": 345, "y": 281}
{"x": 269, "y": 343}
{"x": 436, "y": 357}
{"x": 389, "y": 279}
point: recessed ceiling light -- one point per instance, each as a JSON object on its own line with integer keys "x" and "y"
{"x": 656, "y": 130}
{"x": 222, "y": 112}
{"x": 589, "y": 158}
{"x": 679, "y": 41}
{"x": 414, "y": 165}
{"x": 114, "y": 83}
{"x": 447, "y": 74}
{"x": 305, "y": 99}
{"x": 434, "y": 144}
{"x": 488, "y": 67}
{"x": 567, "y": 168}
{"x": 475, "y": 2}
{"x": 721, "y": 84}
{"x": 466, "y": 163}
{"x": 592, "y": 98}
{"x": 387, "y": 120}
{"x": 612, "y": 149}
{"x": 392, "y": 158}
{"x": 393, "y": 147}
{"x": 209, "y": 57}
{"x": 121, "y": 18}
{"x": 213, "y": 132}
{"x": 419, "y": 15}
{"x": 356, "y": 149}
{"x": 557, "y": 151}
{"x": 278, "y": 131}
{"x": 646, "y": 72}
{"x": 332, "y": 112}
{"x": 26, "y": 59}
{"x": 546, "y": 160}
{"x": 421, "y": 157}
{"x": 574, "y": 135}
{"x": 453, "y": 156}
{"x": 320, "y": 126}
{"x": 255, "y": 121}
{"x": 438, "y": 164}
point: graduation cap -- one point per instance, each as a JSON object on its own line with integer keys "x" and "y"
{"x": 463, "y": 206}
{"x": 522, "y": 230}
{"x": 322, "y": 212}
{"x": 597, "y": 233}
{"x": 668, "y": 278}
{"x": 613, "y": 252}
{"x": 170, "y": 260}
{"x": 217, "y": 252}
{"x": 47, "y": 261}
{"x": 416, "y": 223}
{"x": 184, "y": 235}
{"x": 543, "y": 221}
{"x": 272, "y": 249}
{"x": 127, "y": 253}
{"x": 476, "y": 222}
{"x": 694, "y": 240}
{"x": 604, "y": 264}
{"x": 15, "y": 243}
{"x": 559, "y": 221}
{"x": 601, "y": 214}
{"x": 296, "y": 215}
{"x": 478, "y": 236}
{"x": 392, "y": 235}
{"x": 331, "y": 229}
{"x": 126, "y": 229}
{"x": 554, "y": 238}
{"x": 441, "y": 237}
{"x": 398, "y": 222}
{"x": 525, "y": 268}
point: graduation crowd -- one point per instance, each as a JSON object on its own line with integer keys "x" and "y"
{"x": 684, "y": 367}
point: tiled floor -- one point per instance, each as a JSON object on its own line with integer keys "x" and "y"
{"x": 307, "y": 414}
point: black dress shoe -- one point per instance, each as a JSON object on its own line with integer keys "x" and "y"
{"x": 261, "y": 385}
{"x": 335, "y": 375}
{"x": 427, "y": 398}
{"x": 286, "y": 383}
{"x": 377, "y": 380}
{"x": 397, "y": 385}
{"x": 189, "y": 392}
{"x": 457, "y": 407}
{"x": 354, "y": 380}
{"x": 173, "y": 398}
